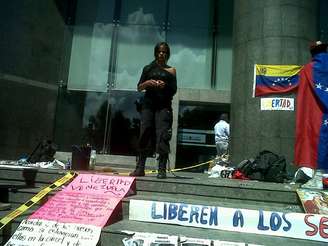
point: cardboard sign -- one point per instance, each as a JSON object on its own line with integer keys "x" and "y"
{"x": 293, "y": 225}
{"x": 42, "y": 232}
{"x": 314, "y": 201}
{"x": 69, "y": 207}
{"x": 75, "y": 215}
{"x": 111, "y": 186}
{"x": 89, "y": 199}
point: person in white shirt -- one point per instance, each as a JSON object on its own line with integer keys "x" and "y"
{"x": 222, "y": 133}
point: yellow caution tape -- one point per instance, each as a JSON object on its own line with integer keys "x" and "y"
{"x": 21, "y": 209}
{"x": 173, "y": 170}
{"x": 191, "y": 167}
{"x": 184, "y": 168}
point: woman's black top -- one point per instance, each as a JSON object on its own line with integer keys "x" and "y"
{"x": 154, "y": 97}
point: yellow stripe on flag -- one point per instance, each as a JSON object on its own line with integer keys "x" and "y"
{"x": 277, "y": 70}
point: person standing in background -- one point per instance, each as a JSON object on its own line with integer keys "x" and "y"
{"x": 222, "y": 133}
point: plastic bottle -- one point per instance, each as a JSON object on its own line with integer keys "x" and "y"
{"x": 93, "y": 156}
{"x": 68, "y": 164}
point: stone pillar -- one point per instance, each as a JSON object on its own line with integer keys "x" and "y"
{"x": 266, "y": 32}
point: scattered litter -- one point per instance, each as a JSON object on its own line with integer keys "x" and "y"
{"x": 219, "y": 171}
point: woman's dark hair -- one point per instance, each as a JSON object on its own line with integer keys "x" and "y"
{"x": 162, "y": 44}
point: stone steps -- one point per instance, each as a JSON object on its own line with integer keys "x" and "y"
{"x": 195, "y": 184}
{"x": 214, "y": 201}
{"x": 190, "y": 188}
{"x": 199, "y": 184}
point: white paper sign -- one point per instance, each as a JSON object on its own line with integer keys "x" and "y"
{"x": 285, "y": 104}
{"x": 293, "y": 225}
{"x": 35, "y": 232}
{"x": 225, "y": 243}
{"x": 150, "y": 239}
{"x": 186, "y": 241}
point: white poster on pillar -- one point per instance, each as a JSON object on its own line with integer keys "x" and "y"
{"x": 277, "y": 104}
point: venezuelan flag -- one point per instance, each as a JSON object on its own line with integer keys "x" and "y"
{"x": 274, "y": 78}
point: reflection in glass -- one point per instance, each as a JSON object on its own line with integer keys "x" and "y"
{"x": 190, "y": 37}
{"x": 143, "y": 12}
{"x": 92, "y": 40}
{"x": 224, "y": 46}
{"x": 90, "y": 54}
{"x": 90, "y": 117}
{"x": 191, "y": 56}
{"x": 79, "y": 119}
{"x": 190, "y": 13}
{"x": 89, "y": 12}
{"x": 135, "y": 49}
{"x": 124, "y": 122}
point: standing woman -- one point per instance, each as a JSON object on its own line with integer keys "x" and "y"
{"x": 158, "y": 80}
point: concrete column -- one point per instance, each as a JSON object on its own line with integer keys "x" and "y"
{"x": 266, "y": 32}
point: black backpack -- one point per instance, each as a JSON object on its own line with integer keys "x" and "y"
{"x": 267, "y": 166}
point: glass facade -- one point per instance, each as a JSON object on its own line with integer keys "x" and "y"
{"x": 108, "y": 51}
{"x": 189, "y": 33}
{"x": 70, "y": 68}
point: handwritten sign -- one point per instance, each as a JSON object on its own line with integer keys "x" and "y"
{"x": 89, "y": 199}
{"x": 114, "y": 186}
{"x": 277, "y": 104}
{"x": 75, "y": 215}
{"x": 41, "y": 232}
{"x": 69, "y": 207}
{"x": 294, "y": 225}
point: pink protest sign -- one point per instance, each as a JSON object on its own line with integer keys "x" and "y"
{"x": 115, "y": 186}
{"x": 89, "y": 199}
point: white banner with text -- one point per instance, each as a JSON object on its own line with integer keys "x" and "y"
{"x": 293, "y": 225}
